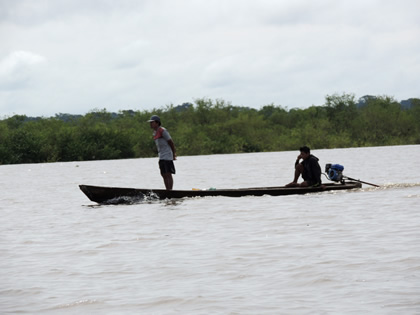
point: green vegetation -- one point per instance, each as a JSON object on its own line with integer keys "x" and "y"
{"x": 210, "y": 127}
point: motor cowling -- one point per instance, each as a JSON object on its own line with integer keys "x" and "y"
{"x": 334, "y": 172}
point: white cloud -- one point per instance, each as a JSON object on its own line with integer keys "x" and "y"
{"x": 18, "y": 68}
{"x": 144, "y": 54}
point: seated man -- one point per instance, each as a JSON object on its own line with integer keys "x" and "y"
{"x": 309, "y": 169}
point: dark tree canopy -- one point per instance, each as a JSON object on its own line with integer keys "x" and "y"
{"x": 211, "y": 127}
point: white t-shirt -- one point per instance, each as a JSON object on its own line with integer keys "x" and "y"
{"x": 161, "y": 137}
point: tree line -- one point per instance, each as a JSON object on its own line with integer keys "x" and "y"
{"x": 210, "y": 127}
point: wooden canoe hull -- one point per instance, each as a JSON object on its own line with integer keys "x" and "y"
{"x": 115, "y": 195}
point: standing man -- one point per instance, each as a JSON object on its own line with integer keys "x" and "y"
{"x": 166, "y": 150}
{"x": 309, "y": 169}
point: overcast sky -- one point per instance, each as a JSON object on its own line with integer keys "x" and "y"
{"x": 73, "y": 56}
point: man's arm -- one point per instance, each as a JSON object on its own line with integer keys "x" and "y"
{"x": 298, "y": 159}
{"x": 172, "y": 145}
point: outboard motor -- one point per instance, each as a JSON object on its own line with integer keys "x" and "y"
{"x": 334, "y": 172}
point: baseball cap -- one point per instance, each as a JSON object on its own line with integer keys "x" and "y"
{"x": 154, "y": 118}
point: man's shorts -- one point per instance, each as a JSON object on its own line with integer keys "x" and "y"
{"x": 166, "y": 166}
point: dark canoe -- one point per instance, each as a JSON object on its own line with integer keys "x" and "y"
{"x": 115, "y": 195}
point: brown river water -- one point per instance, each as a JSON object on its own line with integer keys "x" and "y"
{"x": 346, "y": 252}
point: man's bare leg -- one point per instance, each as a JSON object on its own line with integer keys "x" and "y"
{"x": 168, "y": 180}
{"x": 298, "y": 172}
